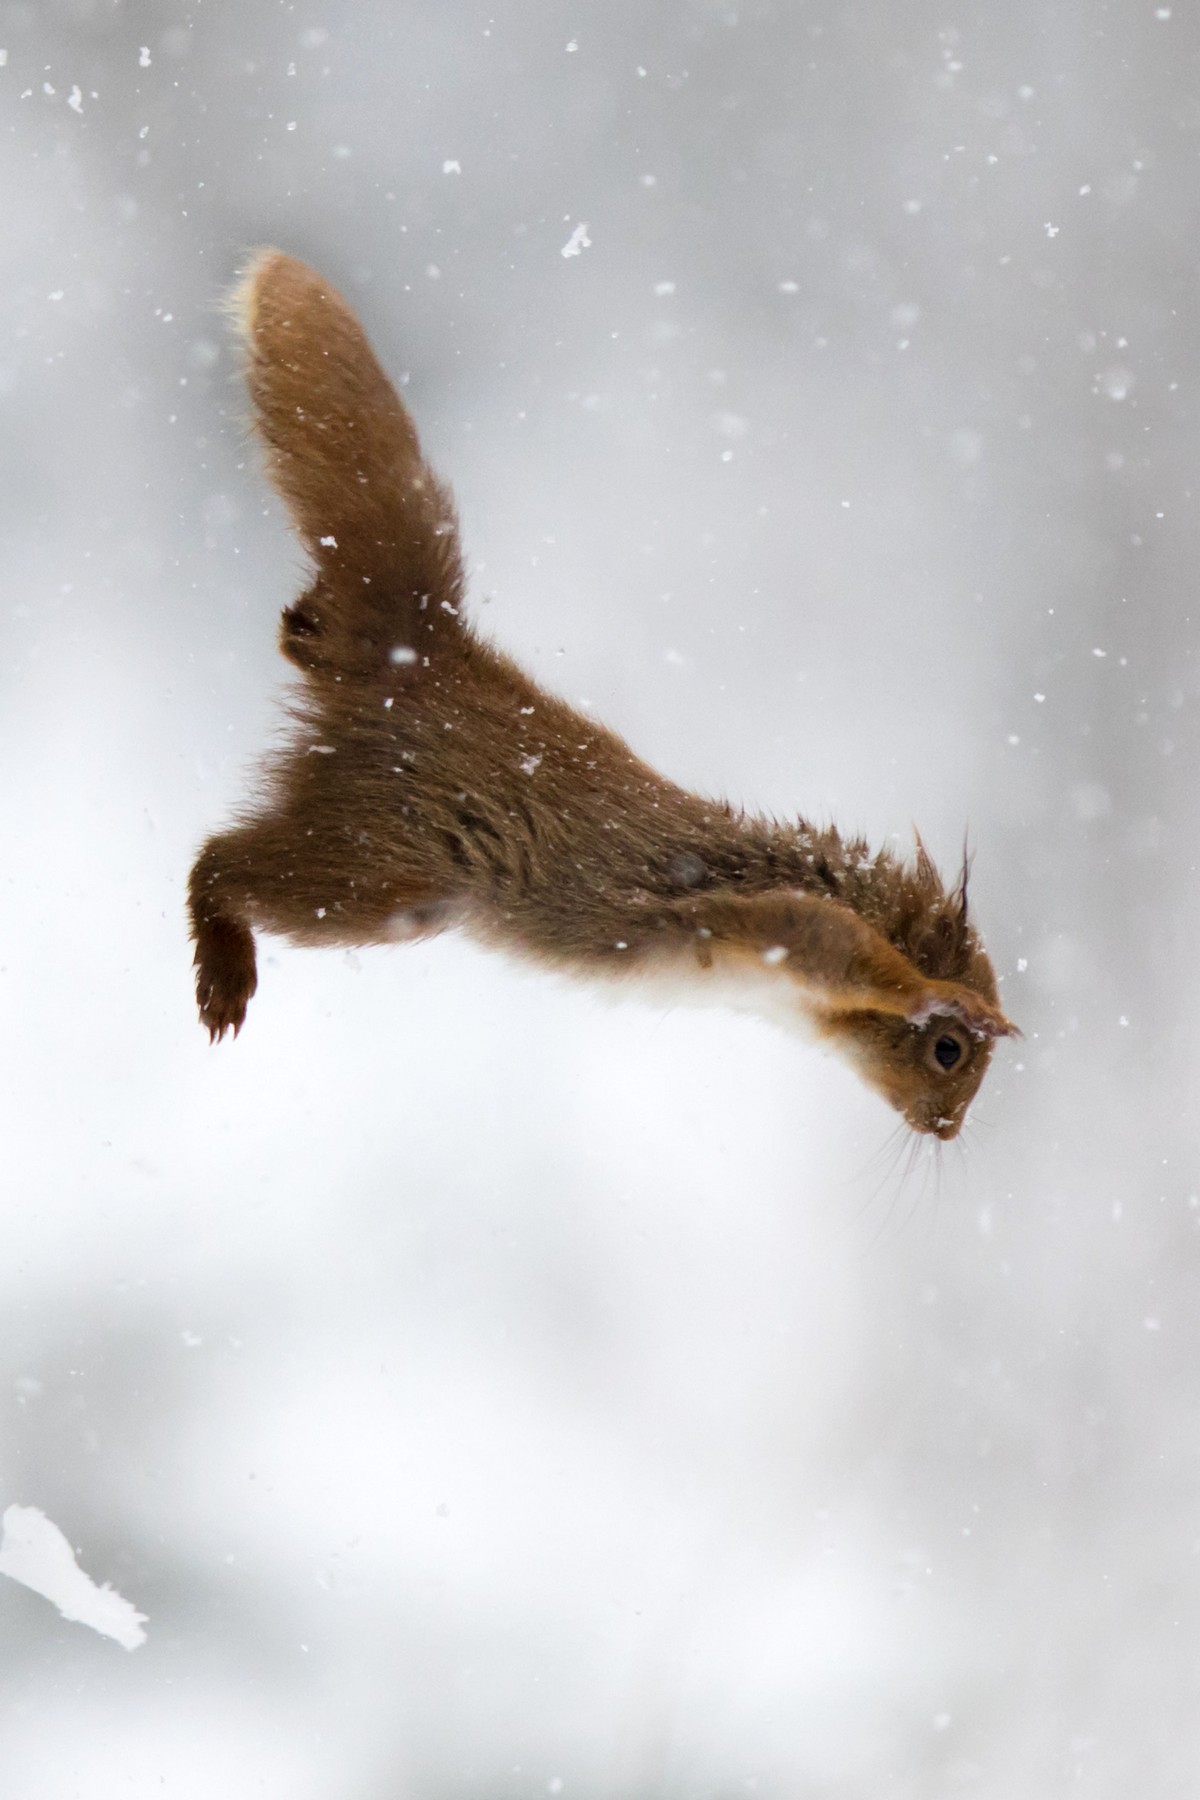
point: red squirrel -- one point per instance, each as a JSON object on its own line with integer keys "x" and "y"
{"x": 429, "y": 782}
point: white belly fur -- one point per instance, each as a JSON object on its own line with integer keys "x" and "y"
{"x": 743, "y": 984}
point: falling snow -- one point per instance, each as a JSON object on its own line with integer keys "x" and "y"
{"x": 578, "y": 242}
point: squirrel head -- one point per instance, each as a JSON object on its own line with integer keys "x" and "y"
{"x": 929, "y": 1065}
{"x": 928, "y": 1071}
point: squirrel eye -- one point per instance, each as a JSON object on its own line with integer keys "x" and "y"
{"x": 947, "y": 1051}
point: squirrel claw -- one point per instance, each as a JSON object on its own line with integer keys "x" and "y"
{"x": 225, "y": 976}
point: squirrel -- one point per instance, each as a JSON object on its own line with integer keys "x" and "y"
{"x": 430, "y": 783}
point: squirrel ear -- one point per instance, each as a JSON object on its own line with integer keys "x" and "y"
{"x": 341, "y": 448}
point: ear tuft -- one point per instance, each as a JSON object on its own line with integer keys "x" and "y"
{"x": 960, "y": 891}
{"x": 926, "y": 868}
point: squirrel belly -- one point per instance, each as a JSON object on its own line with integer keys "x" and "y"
{"x": 429, "y": 783}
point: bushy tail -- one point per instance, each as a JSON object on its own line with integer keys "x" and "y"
{"x": 343, "y": 453}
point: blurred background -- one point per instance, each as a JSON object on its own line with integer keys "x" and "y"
{"x": 485, "y": 1391}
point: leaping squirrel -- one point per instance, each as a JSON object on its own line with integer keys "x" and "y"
{"x": 430, "y": 783}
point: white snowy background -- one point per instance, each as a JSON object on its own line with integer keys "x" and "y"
{"x": 485, "y": 1392}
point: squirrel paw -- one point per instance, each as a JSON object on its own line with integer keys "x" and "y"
{"x": 225, "y": 976}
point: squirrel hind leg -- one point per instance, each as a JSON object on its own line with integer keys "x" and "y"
{"x": 325, "y": 634}
{"x": 300, "y": 636}
{"x": 319, "y": 638}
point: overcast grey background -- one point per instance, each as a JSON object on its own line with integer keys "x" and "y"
{"x": 487, "y": 1392}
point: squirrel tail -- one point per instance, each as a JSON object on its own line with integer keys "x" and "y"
{"x": 343, "y": 453}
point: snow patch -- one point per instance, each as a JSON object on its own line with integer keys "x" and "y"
{"x": 34, "y": 1552}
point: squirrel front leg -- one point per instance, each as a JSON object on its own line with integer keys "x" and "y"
{"x": 226, "y": 970}
{"x": 842, "y": 963}
{"x": 291, "y": 875}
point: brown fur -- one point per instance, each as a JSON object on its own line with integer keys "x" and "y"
{"x": 430, "y": 782}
